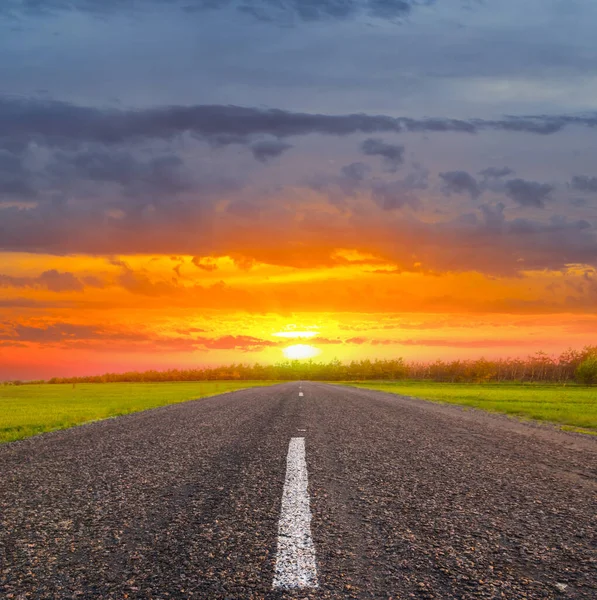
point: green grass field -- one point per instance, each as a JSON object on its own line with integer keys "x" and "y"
{"x": 31, "y": 409}
{"x": 27, "y": 410}
{"x": 571, "y": 406}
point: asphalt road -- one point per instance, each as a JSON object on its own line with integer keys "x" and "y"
{"x": 408, "y": 499}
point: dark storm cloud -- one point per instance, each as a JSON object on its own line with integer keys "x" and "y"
{"x": 283, "y": 11}
{"x": 460, "y": 182}
{"x": 61, "y": 123}
{"x": 583, "y": 183}
{"x": 392, "y": 154}
{"x": 528, "y": 193}
{"x": 267, "y": 149}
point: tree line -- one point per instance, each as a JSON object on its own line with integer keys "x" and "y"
{"x": 570, "y": 366}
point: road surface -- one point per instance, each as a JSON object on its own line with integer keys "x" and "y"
{"x": 384, "y": 497}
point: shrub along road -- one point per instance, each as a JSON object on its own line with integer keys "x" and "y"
{"x": 408, "y": 499}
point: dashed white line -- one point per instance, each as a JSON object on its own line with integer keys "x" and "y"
{"x": 301, "y": 394}
{"x": 295, "y": 560}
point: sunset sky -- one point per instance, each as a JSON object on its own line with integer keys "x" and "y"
{"x": 198, "y": 182}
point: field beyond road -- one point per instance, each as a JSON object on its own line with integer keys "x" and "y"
{"x": 570, "y": 406}
{"x": 27, "y": 410}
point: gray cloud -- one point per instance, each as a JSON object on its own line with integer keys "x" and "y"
{"x": 51, "y": 280}
{"x": 579, "y": 202}
{"x": 69, "y": 332}
{"x": 484, "y": 240}
{"x": 528, "y": 193}
{"x": 56, "y": 332}
{"x": 355, "y": 178}
{"x": 118, "y": 182}
{"x": 392, "y": 154}
{"x": 584, "y": 183}
{"x": 164, "y": 174}
{"x": 460, "y": 182}
{"x": 351, "y": 179}
{"x": 73, "y": 335}
{"x": 61, "y": 123}
{"x": 493, "y": 243}
{"x": 15, "y": 178}
{"x": 496, "y": 172}
{"x": 355, "y": 172}
{"x": 392, "y": 9}
{"x": 243, "y": 209}
{"x": 281, "y": 11}
{"x": 137, "y": 282}
{"x": 493, "y": 217}
{"x": 556, "y": 224}
{"x": 267, "y": 149}
{"x": 394, "y": 195}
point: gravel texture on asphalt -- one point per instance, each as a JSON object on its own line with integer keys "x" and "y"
{"x": 409, "y": 499}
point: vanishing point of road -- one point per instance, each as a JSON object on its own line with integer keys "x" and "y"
{"x": 300, "y": 490}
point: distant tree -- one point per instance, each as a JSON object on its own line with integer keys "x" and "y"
{"x": 579, "y": 365}
{"x": 586, "y": 372}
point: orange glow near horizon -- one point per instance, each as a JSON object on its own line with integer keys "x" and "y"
{"x": 84, "y": 315}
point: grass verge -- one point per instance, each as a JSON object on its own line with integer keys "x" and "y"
{"x": 27, "y": 410}
{"x": 573, "y": 407}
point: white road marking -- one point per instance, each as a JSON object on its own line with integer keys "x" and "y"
{"x": 295, "y": 560}
{"x": 301, "y": 394}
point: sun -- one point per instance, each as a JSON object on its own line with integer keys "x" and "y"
{"x": 300, "y": 351}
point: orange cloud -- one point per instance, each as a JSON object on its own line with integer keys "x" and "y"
{"x": 114, "y": 313}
